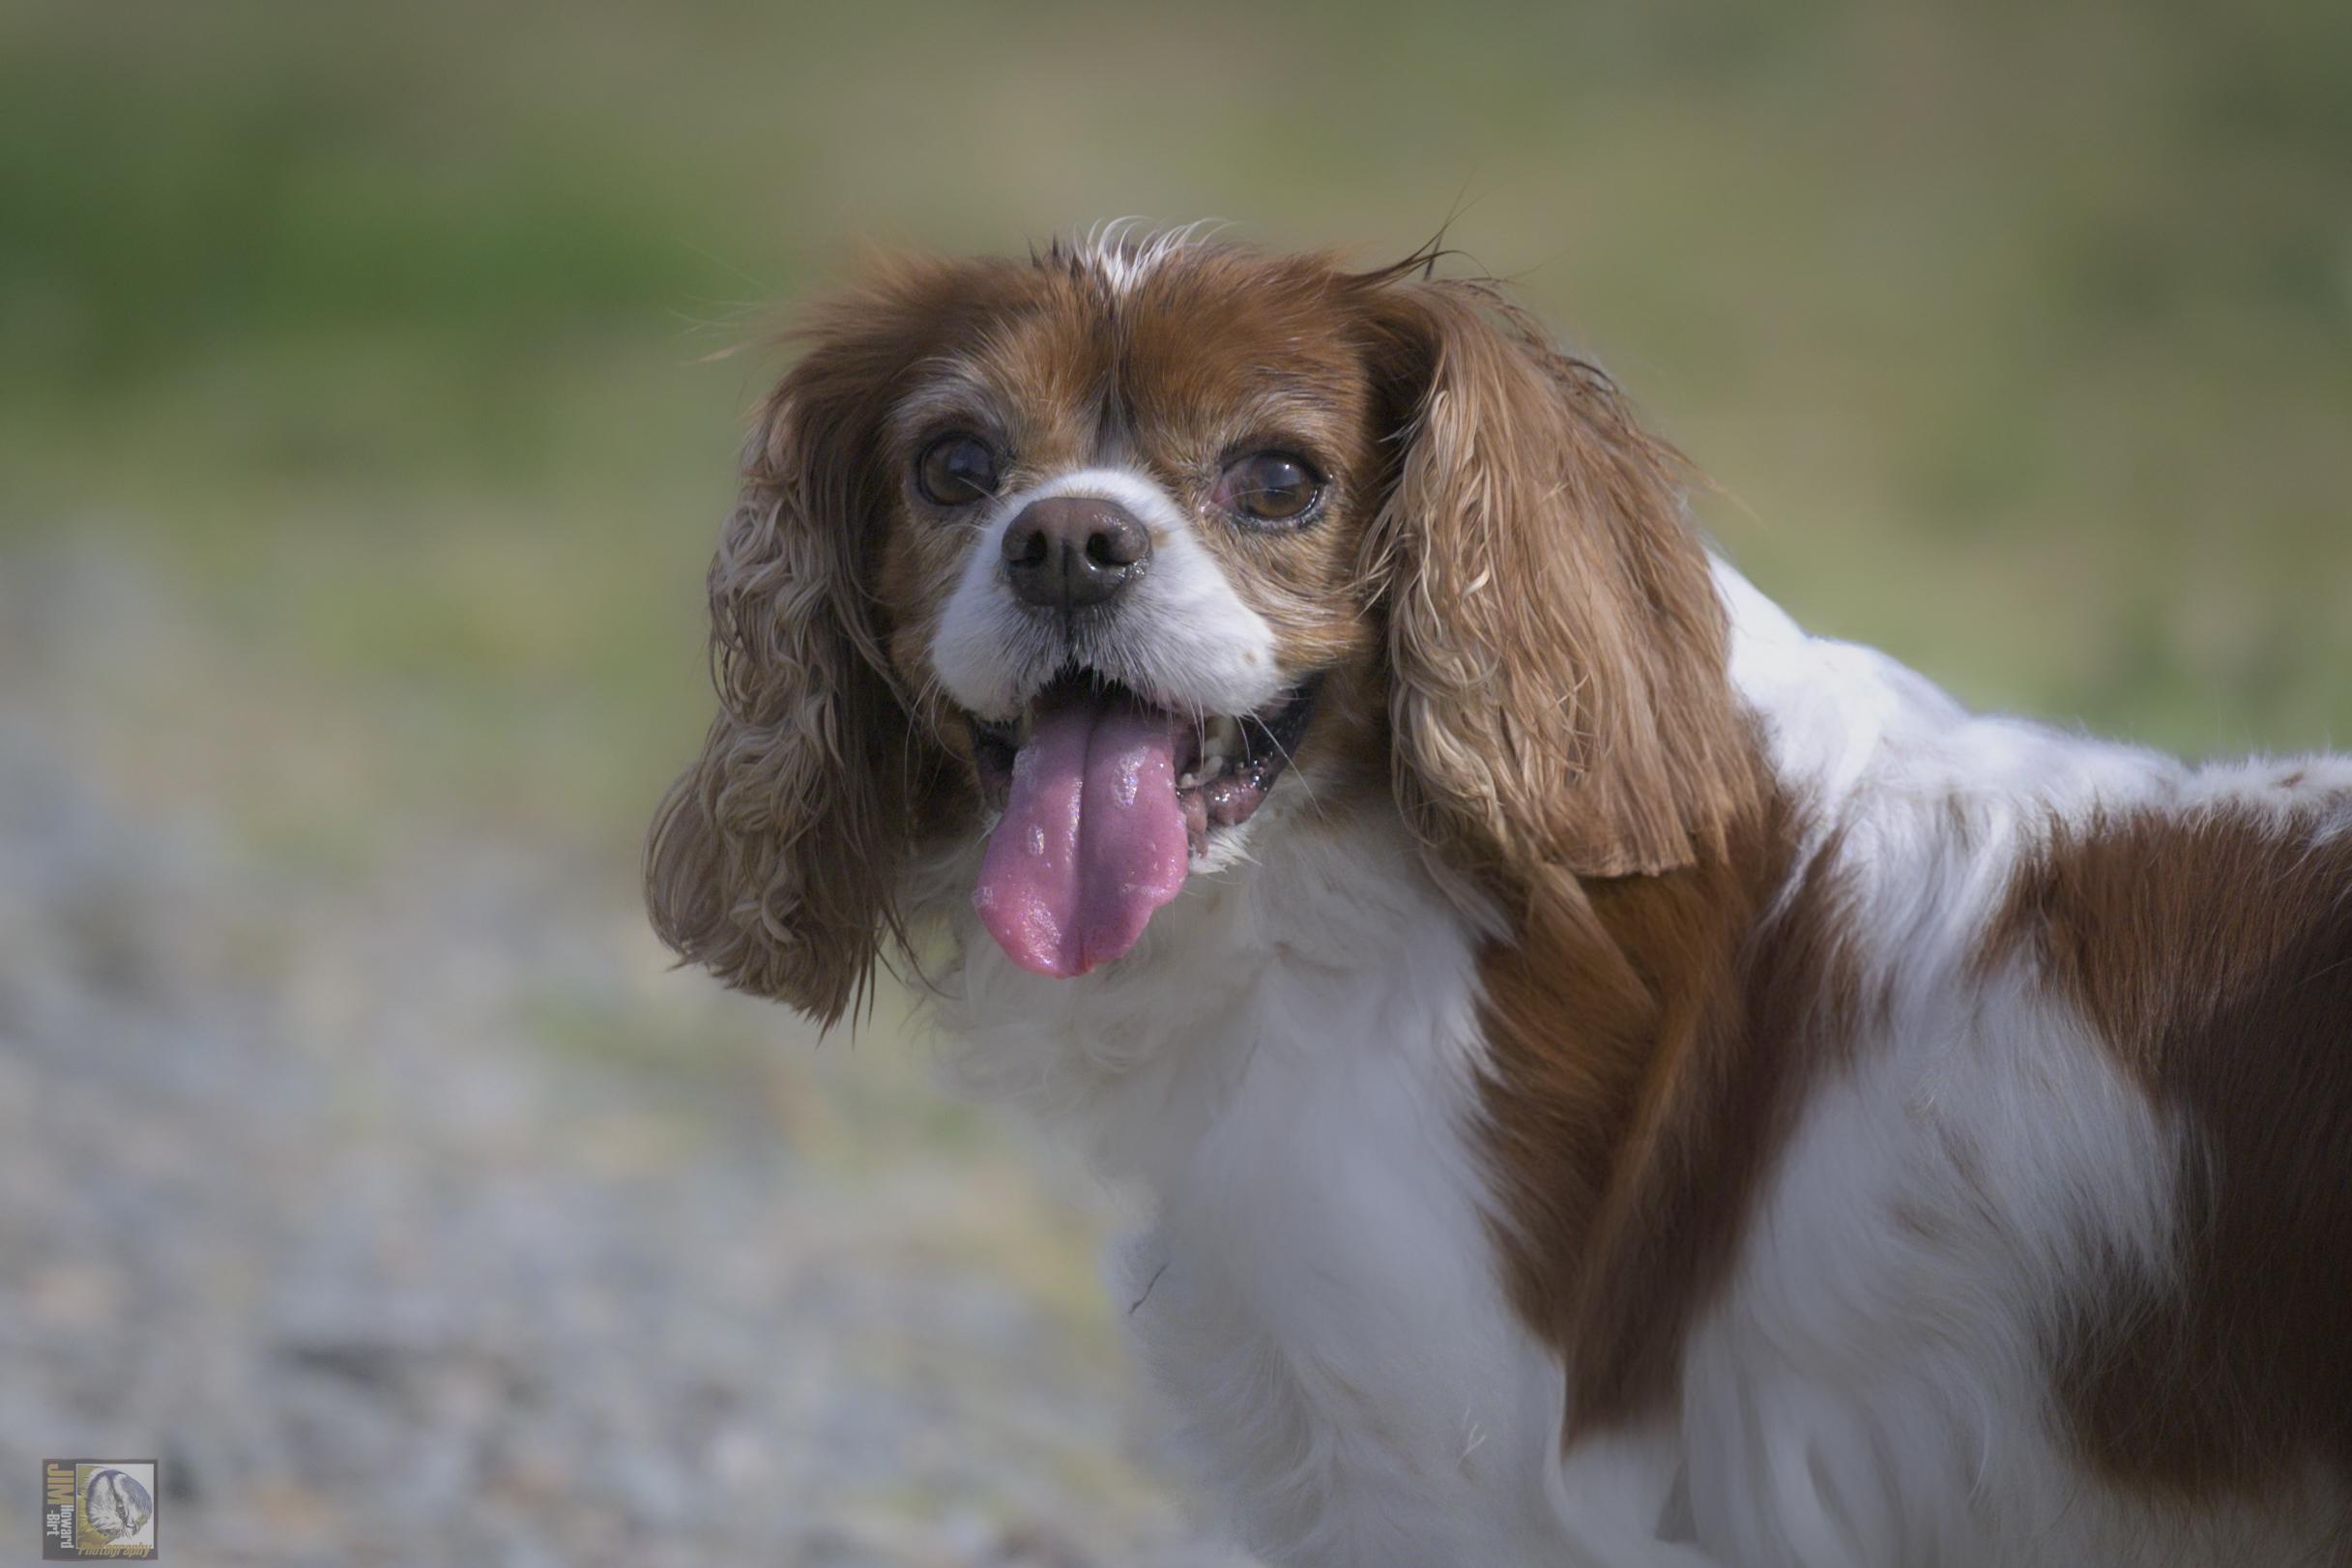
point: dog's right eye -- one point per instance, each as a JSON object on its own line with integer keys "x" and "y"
{"x": 955, "y": 471}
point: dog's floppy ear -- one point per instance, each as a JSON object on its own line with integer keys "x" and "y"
{"x": 1556, "y": 648}
{"x": 773, "y": 861}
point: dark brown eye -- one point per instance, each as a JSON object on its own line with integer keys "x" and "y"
{"x": 1268, "y": 487}
{"x": 955, "y": 471}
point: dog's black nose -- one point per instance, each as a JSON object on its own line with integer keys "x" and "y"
{"x": 1070, "y": 552}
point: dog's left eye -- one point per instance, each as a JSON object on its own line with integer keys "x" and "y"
{"x": 956, "y": 470}
{"x": 1268, "y": 487}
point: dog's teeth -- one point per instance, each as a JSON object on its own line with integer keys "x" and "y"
{"x": 1207, "y": 770}
{"x": 1220, "y": 743}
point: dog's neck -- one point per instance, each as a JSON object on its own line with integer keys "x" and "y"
{"x": 1288, "y": 948}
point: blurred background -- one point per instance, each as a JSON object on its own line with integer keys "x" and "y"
{"x": 360, "y": 450}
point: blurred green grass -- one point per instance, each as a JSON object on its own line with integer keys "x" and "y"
{"x": 2018, "y": 337}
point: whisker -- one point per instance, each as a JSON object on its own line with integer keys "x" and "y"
{"x": 1289, "y": 764}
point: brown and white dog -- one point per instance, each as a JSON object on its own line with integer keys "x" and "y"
{"x": 1616, "y": 1080}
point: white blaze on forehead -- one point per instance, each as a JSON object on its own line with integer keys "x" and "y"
{"x": 1179, "y": 634}
{"x": 1123, "y": 251}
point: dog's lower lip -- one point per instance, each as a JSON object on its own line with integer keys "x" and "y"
{"x": 1006, "y": 734}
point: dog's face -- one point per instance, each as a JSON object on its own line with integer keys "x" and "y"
{"x": 1117, "y": 556}
{"x": 1121, "y": 568}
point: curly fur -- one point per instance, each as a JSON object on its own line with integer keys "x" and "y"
{"x": 772, "y": 861}
{"x": 1555, "y": 646}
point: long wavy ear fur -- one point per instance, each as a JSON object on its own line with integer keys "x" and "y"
{"x": 773, "y": 861}
{"x": 1556, "y": 647}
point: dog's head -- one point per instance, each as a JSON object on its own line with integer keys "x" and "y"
{"x": 1117, "y": 556}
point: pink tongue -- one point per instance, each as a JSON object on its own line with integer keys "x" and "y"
{"x": 1092, "y": 839}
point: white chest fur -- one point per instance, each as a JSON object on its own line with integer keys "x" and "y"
{"x": 1286, "y": 1072}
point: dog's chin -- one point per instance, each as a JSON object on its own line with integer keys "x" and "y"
{"x": 1105, "y": 801}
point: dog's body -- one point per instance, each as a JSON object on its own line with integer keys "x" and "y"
{"x": 1772, "y": 1117}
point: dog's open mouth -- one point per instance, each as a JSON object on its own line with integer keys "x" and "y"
{"x": 1105, "y": 798}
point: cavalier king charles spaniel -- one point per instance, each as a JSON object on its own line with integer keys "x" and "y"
{"x": 1614, "y": 1079}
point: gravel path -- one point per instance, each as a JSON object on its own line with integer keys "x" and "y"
{"x": 422, "y": 1217}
